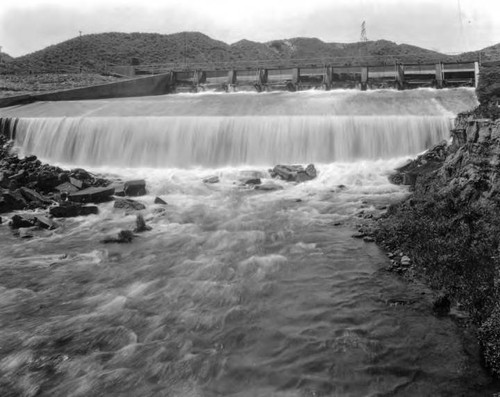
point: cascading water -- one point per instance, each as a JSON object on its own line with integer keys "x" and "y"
{"x": 234, "y": 291}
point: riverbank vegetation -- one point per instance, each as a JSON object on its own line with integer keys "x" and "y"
{"x": 449, "y": 225}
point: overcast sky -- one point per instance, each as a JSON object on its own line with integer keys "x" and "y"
{"x": 443, "y": 25}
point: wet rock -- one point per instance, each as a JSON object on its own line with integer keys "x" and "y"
{"x": 211, "y": 179}
{"x": 269, "y": 187}
{"x": 80, "y": 173}
{"x": 11, "y": 200}
{"x": 92, "y": 195}
{"x": 124, "y": 236}
{"x": 140, "y": 224}
{"x": 358, "y": 235}
{"x": 18, "y": 221}
{"x": 135, "y": 188}
{"x": 368, "y": 239}
{"x": 128, "y": 204}
{"x": 294, "y": 173}
{"x": 26, "y": 232}
{"x": 44, "y": 222}
{"x": 119, "y": 189}
{"x": 252, "y": 181}
{"x": 76, "y": 182}
{"x": 47, "y": 181}
{"x": 159, "y": 200}
{"x": 71, "y": 210}
{"x": 4, "y": 180}
{"x": 405, "y": 261}
{"x": 441, "y": 305}
{"x": 32, "y": 196}
{"x": 66, "y": 187}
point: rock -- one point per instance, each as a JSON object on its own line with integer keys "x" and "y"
{"x": 252, "y": 181}
{"x": 269, "y": 187}
{"x": 26, "y": 232}
{"x": 71, "y": 210}
{"x": 405, "y": 261}
{"x": 441, "y": 305}
{"x": 4, "y": 180}
{"x": 128, "y": 204}
{"x": 92, "y": 195}
{"x": 47, "y": 181}
{"x": 44, "y": 222}
{"x": 140, "y": 225}
{"x": 119, "y": 189}
{"x": 358, "y": 235}
{"x": 211, "y": 179}
{"x": 80, "y": 173}
{"x": 18, "y": 221}
{"x": 11, "y": 200}
{"x": 311, "y": 171}
{"x": 135, "y": 188}
{"x": 31, "y": 195}
{"x": 368, "y": 239}
{"x": 66, "y": 187}
{"x": 124, "y": 236}
{"x": 76, "y": 182}
{"x": 294, "y": 173}
{"x": 158, "y": 200}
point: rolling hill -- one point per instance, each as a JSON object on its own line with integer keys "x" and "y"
{"x": 93, "y": 52}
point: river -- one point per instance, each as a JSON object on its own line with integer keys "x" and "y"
{"x": 234, "y": 291}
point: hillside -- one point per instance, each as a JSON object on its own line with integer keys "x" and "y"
{"x": 5, "y": 57}
{"x": 94, "y": 52}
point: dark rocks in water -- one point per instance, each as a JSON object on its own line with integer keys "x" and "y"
{"x": 18, "y": 221}
{"x": 135, "y": 188}
{"x": 441, "y": 305}
{"x": 211, "y": 179}
{"x": 124, "y": 236}
{"x": 92, "y": 195}
{"x": 44, "y": 222}
{"x": 159, "y": 200}
{"x": 47, "y": 181}
{"x": 128, "y": 204}
{"x": 80, "y": 174}
{"x": 119, "y": 189}
{"x": 70, "y": 210}
{"x": 269, "y": 187}
{"x": 76, "y": 182}
{"x": 252, "y": 181}
{"x": 426, "y": 163}
{"x": 34, "y": 197}
{"x": 140, "y": 225}
{"x": 11, "y": 200}
{"x": 66, "y": 187}
{"x": 358, "y": 235}
{"x": 294, "y": 173}
{"x": 26, "y": 232}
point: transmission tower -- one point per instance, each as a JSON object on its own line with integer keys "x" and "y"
{"x": 363, "y": 32}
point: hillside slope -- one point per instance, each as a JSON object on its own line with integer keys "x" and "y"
{"x": 94, "y": 52}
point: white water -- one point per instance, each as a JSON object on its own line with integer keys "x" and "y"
{"x": 217, "y": 130}
{"x": 234, "y": 292}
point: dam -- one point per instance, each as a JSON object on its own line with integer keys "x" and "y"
{"x": 235, "y": 291}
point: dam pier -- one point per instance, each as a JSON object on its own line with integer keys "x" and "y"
{"x": 157, "y": 80}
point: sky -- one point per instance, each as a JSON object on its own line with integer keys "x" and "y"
{"x": 449, "y": 26}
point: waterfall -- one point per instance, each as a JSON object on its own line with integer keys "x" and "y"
{"x": 185, "y": 142}
{"x": 219, "y": 130}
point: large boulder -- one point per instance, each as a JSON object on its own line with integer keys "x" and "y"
{"x": 128, "y": 204}
{"x": 92, "y": 195}
{"x": 70, "y": 210}
{"x": 294, "y": 173}
{"x": 11, "y": 200}
{"x": 135, "y": 188}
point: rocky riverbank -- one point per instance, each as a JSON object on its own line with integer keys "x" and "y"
{"x": 449, "y": 228}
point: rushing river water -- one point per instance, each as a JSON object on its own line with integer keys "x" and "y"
{"x": 234, "y": 291}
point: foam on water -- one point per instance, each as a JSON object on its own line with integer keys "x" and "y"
{"x": 234, "y": 291}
